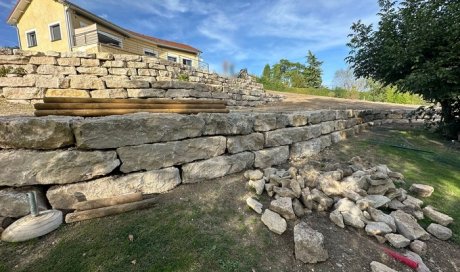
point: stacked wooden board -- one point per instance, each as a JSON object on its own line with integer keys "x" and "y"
{"x": 93, "y": 107}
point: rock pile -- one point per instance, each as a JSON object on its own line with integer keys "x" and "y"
{"x": 355, "y": 196}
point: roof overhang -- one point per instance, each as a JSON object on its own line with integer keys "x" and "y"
{"x": 18, "y": 11}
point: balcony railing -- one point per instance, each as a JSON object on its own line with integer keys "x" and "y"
{"x": 91, "y": 35}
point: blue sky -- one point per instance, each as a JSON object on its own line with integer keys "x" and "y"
{"x": 248, "y": 34}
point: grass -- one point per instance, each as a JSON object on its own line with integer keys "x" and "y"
{"x": 439, "y": 167}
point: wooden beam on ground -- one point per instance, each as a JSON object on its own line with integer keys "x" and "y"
{"x": 107, "y": 112}
{"x": 106, "y": 211}
{"x": 109, "y": 201}
{"x": 87, "y": 106}
{"x": 129, "y": 101}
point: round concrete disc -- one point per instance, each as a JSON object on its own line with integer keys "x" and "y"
{"x": 30, "y": 227}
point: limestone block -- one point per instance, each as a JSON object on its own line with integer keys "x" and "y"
{"x": 327, "y": 127}
{"x": 129, "y": 84}
{"x": 272, "y": 156}
{"x": 297, "y": 119}
{"x": 35, "y": 132}
{"x": 274, "y": 222}
{"x": 56, "y": 70}
{"x": 78, "y": 54}
{"x": 160, "y": 155}
{"x": 326, "y": 141}
{"x": 14, "y": 201}
{"x": 127, "y": 57}
{"x": 146, "y": 93}
{"x": 17, "y": 81}
{"x": 52, "y": 82}
{"x": 269, "y": 121}
{"x": 43, "y": 60}
{"x": 22, "y": 93}
{"x": 109, "y": 93}
{"x": 254, "y": 204}
{"x": 227, "y": 124}
{"x": 27, "y": 167}
{"x": 408, "y": 226}
{"x": 150, "y": 182}
{"x": 139, "y": 65}
{"x": 135, "y": 129}
{"x": 86, "y": 82}
{"x": 90, "y": 62}
{"x": 69, "y": 61}
{"x": 217, "y": 167}
{"x": 122, "y": 71}
{"x": 283, "y": 206}
{"x": 114, "y": 64}
{"x": 288, "y": 136}
{"x": 309, "y": 244}
{"x": 14, "y": 59}
{"x": 439, "y": 231}
{"x": 421, "y": 190}
{"x": 98, "y": 71}
{"x": 104, "y": 56}
{"x": 379, "y": 267}
{"x": 437, "y": 216}
{"x": 252, "y": 142}
{"x": 397, "y": 240}
{"x": 304, "y": 150}
{"x": 67, "y": 93}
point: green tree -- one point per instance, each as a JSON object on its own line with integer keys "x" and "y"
{"x": 313, "y": 72}
{"x": 266, "y": 74}
{"x": 415, "y": 47}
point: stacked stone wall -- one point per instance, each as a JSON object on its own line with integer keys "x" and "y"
{"x": 35, "y": 75}
{"x": 68, "y": 159}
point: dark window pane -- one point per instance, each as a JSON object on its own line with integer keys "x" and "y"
{"x": 55, "y": 32}
{"x": 108, "y": 40}
{"x": 187, "y": 62}
{"x": 173, "y": 59}
{"x": 31, "y": 39}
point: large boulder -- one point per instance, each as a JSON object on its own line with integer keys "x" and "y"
{"x": 407, "y": 225}
{"x": 272, "y": 156}
{"x": 274, "y": 221}
{"x": 251, "y": 142}
{"x": 14, "y": 201}
{"x": 26, "y": 167}
{"x": 36, "y": 132}
{"x": 235, "y": 123}
{"x": 283, "y": 206}
{"x": 216, "y": 167}
{"x": 304, "y": 150}
{"x": 309, "y": 244}
{"x": 135, "y": 129}
{"x": 421, "y": 190}
{"x": 439, "y": 231}
{"x": 161, "y": 155}
{"x": 436, "y": 216}
{"x": 151, "y": 182}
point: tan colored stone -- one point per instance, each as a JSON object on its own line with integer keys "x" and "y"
{"x": 104, "y": 56}
{"x": 86, "y": 82}
{"x": 147, "y": 72}
{"x": 90, "y": 62}
{"x": 146, "y": 93}
{"x": 127, "y": 57}
{"x": 122, "y": 71}
{"x": 52, "y": 54}
{"x": 52, "y": 82}
{"x": 13, "y": 59}
{"x": 99, "y": 71}
{"x": 110, "y": 93}
{"x": 43, "y": 60}
{"x": 17, "y": 81}
{"x": 114, "y": 64}
{"x": 22, "y": 93}
{"x": 69, "y": 61}
{"x": 78, "y": 54}
{"x": 129, "y": 84}
{"x": 142, "y": 65}
{"x": 66, "y": 93}
{"x": 56, "y": 70}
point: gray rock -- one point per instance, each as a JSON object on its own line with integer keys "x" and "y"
{"x": 258, "y": 185}
{"x": 436, "y": 216}
{"x": 251, "y": 142}
{"x": 298, "y": 208}
{"x": 309, "y": 244}
{"x": 274, "y": 222}
{"x": 295, "y": 187}
{"x": 310, "y": 176}
{"x": 421, "y": 190}
{"x": 373, "y": 181}
{"x": 329, "y": 185}
{"x": 287, "y": 136}
{"x": 415, "y": 257}
{"x": 36, "y": 132}
{"x": 379, "y": 267}
{"x": 304, "y": 150}
{"x": 395, "y": 205}
{"x": 380, "y": 216}
{"x": 351, "y": 195}
{"x": 397, "y": 240}
{"x": 307, "y": 198}
{"x": 269, "y": 171}
{"x": 161, "y": 155}
{"x": 355, "y": 183}
{"x": 284, "y": 192}
{"x": 14, "y": 201}
{"x": 151, "y": 182}
{"x": 418, "y": 247}
{"x": 353, "y": 220}
{"x": 283, "y": 206}
{"x": 253, "y": 174}
{"x": 337, "y": 218}
{"x": 135, "y": 129}
{"x": 272, "y": 156}
{"x": 227, "y": 123}
{"x": 54, "y": 167}
{"x": 322, "y": 199}
{"x": 412, "y": 201}
{"x": 407, "y": 225}
{"x": 377, "y": 228}
{"x": 254, "y": 204}
{"x": 381, "y": 189}
{"x": 216, "y": 167}
{"x": 395, "y": 175}
{"x": 439, "y": 231}
{"x": 378, "y": 201}
{"x": 269, "y": 121}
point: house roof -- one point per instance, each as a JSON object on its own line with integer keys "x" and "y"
{"x": 21, "y": 6}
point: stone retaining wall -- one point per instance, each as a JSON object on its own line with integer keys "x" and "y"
{"x": 68, "y": 158}
{"x": 106, "y": 75}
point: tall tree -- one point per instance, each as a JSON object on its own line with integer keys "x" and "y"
{"x": 416, "y": 47}
{"x": 266, "y": 74}
{"x": 344, "y": 78}
{"x": 313, "y": 72}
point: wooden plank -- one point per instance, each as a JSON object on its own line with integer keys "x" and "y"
{"x": 107, "y": 112}
{"x": 109, "y": 201}
{"x": 106, "y": 211}
{"x": 67, "y": 106}
{"x": 128, "y": 101}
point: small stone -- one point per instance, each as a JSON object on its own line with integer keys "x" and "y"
{"x": 322, "y": 199}
{"x": 283, "y": 206}
{"x": 284, "y": 192}
{"x": 395, "y": 205}
{"x": 379, "y": 267}
{"x": 353, "y": 220}
{"x": 269, "y": 171}
{"x": 439, "y": 231}
{"x": 380, "y": 216}
{"x": 378, "y": 200}
{"x": 377, "y": 228}
{"x": 253, "y": 174}
{"x": 258, "y": 185}
{"x": 438, "y": 217}
{"x": 295, "y": 186}
{"x": 337, "y": 218}
{"x": 418, "y": 247}
{"x": 298, "y": 208}
{"x": 412, "y": 201}
{"x": 415, "y": 257}
{"x": 274, "y": 221}
{"x": 397, "y": 240}
{"x": 380, "y": 239}
{"x": 254, "y": 204}
{"x": 309, "y": 244}
{"x": 421, "y": 190}
{"x": 396, "y": 175}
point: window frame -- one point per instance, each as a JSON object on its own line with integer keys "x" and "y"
{"x": 151, "y": 51}
{"x": 185, "y": 60}
{"x": 52, "y": 38}
{"x": 172, "y": 56}
{"x": 120, "y": 40}
{"x": 27, "y": 38}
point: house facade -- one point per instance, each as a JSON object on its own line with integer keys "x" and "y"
{"x": 59, "y": 25}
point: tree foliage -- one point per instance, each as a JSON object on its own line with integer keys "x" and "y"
{"x": 415, "y": 47}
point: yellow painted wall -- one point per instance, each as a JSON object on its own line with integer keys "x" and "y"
{"x": 39, "y": 15}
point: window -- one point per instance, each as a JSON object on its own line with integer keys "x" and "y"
{"x": 187, "y": 62}
{"x": 150, "y": 53}
{"x": 31, "y": 38}
{"x": 55, "y": 32}
{"x": 172, "y": 59}
{"x": 106, "y": 38}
